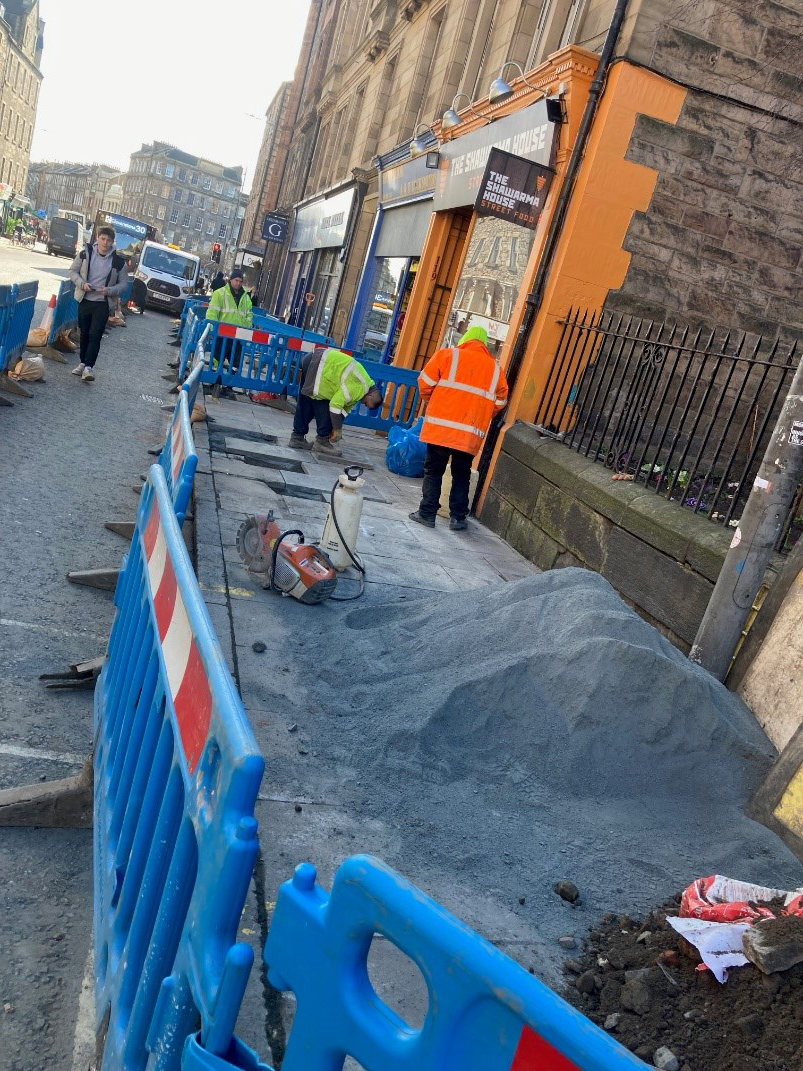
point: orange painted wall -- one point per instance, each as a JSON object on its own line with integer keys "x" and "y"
{"x": 590, "y": 260}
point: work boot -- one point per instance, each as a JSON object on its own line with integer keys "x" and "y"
{"x": 458, "y": 524}
{"x": 88, "y": 375}
{"x": 418, "y": 516}
{"x": 298, "y": 442}
{"x": 77, "y": 370}
{"x": 325, "y": 447}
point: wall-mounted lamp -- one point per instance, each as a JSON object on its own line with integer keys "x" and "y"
{"x": 556, "y": 109}
{"x": 433, "y": 159}
{"x": 419, "y": 145}
{"x": 451, "y": 118}
{"x": 500, "y": 90}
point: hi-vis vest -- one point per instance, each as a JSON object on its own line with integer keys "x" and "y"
{"x": 465, "y": 387}
{"x": 224, "y": 308}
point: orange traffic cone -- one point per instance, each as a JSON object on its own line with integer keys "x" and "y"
{"x": 38, "y": 336}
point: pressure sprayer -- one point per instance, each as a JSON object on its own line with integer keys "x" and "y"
{"x": 308, "y": 571}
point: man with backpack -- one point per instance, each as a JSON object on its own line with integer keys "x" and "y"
{"x": 100, "y": 276}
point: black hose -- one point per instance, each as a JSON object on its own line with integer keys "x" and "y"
{"x": 274, "y": 555}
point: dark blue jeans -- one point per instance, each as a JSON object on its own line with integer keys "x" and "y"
{"x": 434, "y": 467}
{"x": 92, "y": 317}
{"x": 306, "y": 409}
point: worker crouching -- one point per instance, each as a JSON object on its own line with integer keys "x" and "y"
{"x": 464, "y": 387}
{"x": 332, "y": 383}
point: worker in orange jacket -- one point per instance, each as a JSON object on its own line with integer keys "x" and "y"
{"x": 464, "y": 387}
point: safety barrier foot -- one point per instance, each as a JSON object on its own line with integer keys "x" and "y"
{"x": 64, "y": 804}
{"x": 167, "y": 408}
{"x": 155, "y": 451}
{"x": 125, "y": 529}
{"x": 169, "y": 376}
{"x": 12, "y": 387}
{"x": 174, "y": 389}
{"x": 50, "y": 353}
{"x": 79, "y": 675}
{"x": 5, "y": 401}
{"x": 104, "y": 579}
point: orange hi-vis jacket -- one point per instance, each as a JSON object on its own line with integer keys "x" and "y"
{"x": 465, "y": 387}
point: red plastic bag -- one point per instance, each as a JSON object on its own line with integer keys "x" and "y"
{"x": 720, "y": 899}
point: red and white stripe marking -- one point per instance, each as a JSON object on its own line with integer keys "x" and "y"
{"x": 535, "y": 1054}
{"x": 186, "y": 676}
{"x": 300, "y": 344}
{"x": 177, "y": 453}
{"x": 245, "y": 334}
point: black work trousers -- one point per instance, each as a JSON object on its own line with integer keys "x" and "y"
{"x": 306, "y": 409}
{"x": 92, "y": 317}
{"x": 434, "y": 467}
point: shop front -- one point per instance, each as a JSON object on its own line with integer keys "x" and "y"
{"x": 475, "y": 261}
{"x": 391, "y": 267}
{"x": 314, "y": 265}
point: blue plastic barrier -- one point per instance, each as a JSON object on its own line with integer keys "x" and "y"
{"x": 259, "y": 359}
{"x": 177, "y": 773}
{"x": 189, "y": 331}
{"x": 179, "y": 458}
{"x": 192, "y": 383}
{"x": 65, "y": 314}
{"x": 12, "y": 343}
{"x": 400, "y": 407}
{"x": 7, "y": 294}
{"x": 239, "y": 1056}
{"x": 485, "y": 1011}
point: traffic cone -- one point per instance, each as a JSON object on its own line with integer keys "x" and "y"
{"x": 39, "y": 335}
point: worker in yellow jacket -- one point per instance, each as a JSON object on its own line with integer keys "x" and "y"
{"x": 230, "y": 304}
{"x": 464, "y": 387}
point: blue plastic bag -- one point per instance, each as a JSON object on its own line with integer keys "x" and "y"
{"x": 405, "y": 452}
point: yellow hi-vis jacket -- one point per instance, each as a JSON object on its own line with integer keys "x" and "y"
{"x": 465, "y": 386}
{"x": 224, "y": 308}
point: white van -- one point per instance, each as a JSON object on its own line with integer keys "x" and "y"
{"x": 169, "y": 275}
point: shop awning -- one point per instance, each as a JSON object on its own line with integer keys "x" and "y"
{"x": 404, "y": 230}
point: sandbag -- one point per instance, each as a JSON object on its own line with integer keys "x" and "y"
{"x": 37, "y": 336}
{"x": 29, "y": 368}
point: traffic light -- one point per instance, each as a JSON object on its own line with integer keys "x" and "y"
{"x": 216, "y": 252}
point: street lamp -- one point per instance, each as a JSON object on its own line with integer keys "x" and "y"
{"x": 500, "y": 90}
{"x": 451, "y": 118}
{"x": 419, "y": 145}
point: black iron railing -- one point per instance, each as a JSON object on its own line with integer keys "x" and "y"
{"x": 687, "y": 413}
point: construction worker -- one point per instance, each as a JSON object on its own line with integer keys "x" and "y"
{"x": 230, "y": 304}
{"x": 332, "y": 383}
{"x": 464, "y": 387}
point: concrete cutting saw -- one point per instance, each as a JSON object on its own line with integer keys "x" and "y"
{"x": 289, "y": 565}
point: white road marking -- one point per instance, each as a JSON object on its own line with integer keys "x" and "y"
{"x": 10, "y": 622}
{"x": 83, "y": 1050}
{"x": 67, "y": 757}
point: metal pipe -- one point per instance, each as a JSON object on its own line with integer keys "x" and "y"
{"x": 536, "y": 295}
{"x": 742, "y": 573}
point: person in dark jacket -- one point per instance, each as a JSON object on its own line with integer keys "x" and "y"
{"x": 218, "y": 281}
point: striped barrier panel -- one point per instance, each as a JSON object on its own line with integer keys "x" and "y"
{"x": 65, "y": 314}
{"x": 256, "y": 359}
{"x": 177, "y": 772}
{"x": 12, "y": 344}
{"x": 485, "y": 1012}
{"x": 179, "y": 458}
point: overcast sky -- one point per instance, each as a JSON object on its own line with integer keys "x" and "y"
{"x": 117, "y": 74}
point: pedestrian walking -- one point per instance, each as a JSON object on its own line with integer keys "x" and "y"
{"x": 464, "y": 387}
{"x": 100, "y": 276}
{"x": 217, "y": 282}
{"x": 332, "y": 383}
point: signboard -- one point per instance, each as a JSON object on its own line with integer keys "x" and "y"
{"x": 322, "y": 224}
{"x": 513, "y": 188}
{"x": 274, "y": 228}
{"x": 526, "y": 133}
{"x": 409, "y": 181}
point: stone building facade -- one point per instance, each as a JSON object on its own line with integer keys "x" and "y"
{"x": 77, "y": 187}
{"x": 192, "y": 202}
{"x": 21, "y": 42}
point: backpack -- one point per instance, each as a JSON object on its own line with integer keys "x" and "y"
{"x": 118, "y": 262}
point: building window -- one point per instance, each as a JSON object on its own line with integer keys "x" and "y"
{"x": 210, "y": 228}
{"x": 158, "y": 167}
{"x": 169, "y": 170}
{"x": 215, "y": 207}
{"x": 182, "y": 174}
{"x": 78, "y": 200}
{"x": 160, "y": 212}
{"x": 222, "y": 231}
{"x": 151, "y": 209}
{"x": 208, "y": 183}
{"x": 190, "y": 198}
{"x": 201, "y": 202}
{"x": 174, "y": 215}
{"x": 230, "y": 191}
{"x": 194, "y": 178}
{"x": 199, "y": 222}
{"x": 177, "y": 195}
{"x": 187, "y": 220}
{"x": 226, "y": 211}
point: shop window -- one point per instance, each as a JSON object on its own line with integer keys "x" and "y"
{"x": 388, "y": 279}
{"x": 325, "y": 288}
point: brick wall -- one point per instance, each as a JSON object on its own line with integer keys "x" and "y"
{"x": 722, "y": 240}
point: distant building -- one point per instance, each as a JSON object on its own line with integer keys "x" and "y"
{"x": 21, "y": 39}
{"x": 192, "y": 202}
{"x": 77, "y": 187}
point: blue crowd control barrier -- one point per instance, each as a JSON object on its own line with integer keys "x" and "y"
{"x": 192, "y": 383}
{"x": 65, "y": 314}
{"x": 189, "y": 331}
{"x": 239, "y": 1057}
{"x": 179, "y": 458}
{"x": 177, "y": 772}
{"x": 399, "y": 387}
{"x": 23, "y": 299}
{"x": 7, "y": 295}
{"x": 255, "y": 358}
{"x": 485, "y": 1013}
